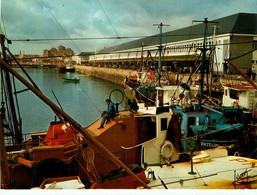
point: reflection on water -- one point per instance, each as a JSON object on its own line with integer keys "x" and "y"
{"x": 83, "y": 101}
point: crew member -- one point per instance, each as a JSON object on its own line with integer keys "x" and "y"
{"x": 110, "y": 113}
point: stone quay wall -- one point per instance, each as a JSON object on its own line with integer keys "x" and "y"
{"x": 118, "y": 75}
{"x": 110, "y": 74}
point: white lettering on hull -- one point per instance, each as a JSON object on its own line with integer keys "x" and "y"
{"x": 212, "y": 145}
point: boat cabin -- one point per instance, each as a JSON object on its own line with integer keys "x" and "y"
{"x": 169, "y": 95}
{"x": 240, "y": 95}
{"x": 134, "y": 137}
{"x": 212, "y": 127}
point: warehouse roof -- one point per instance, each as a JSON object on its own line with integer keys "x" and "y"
{"x": 243, "y": 23}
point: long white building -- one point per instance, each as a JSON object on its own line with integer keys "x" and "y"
{"x": 231, "y": 37}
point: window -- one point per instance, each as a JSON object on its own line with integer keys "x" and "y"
{"x": 164, "y": 124}
{"x": 192, "y": 121}
{"x": 254, "y": 44}
{"x": 147, "y": 128}
{"x": 234, "y": 94}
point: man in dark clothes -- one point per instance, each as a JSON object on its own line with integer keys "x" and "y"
{"x": 249, "y": 73}
{"x": 110, "y": 113}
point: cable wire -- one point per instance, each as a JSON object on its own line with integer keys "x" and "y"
{"x": 109, "y": 21}
{"x": 59, "y": 25}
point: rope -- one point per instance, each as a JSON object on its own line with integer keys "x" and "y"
{"x": 109, "y": 21}
{"x": 38, "y": 25}
{"x": 252, "y": 153}
{"x": 200, "y": 176}
{"x": 2, "y": 89}
{"x": 144, "y": 95}
{"x": 89, "y": 176}
{"x": 210, "y": 98}
{"x": 201, "y": 135}
{"x": 58, "y": 25}
{"x": 16, "y": 98}
{"x": 149, "y": 54}
{"x": 6, "y": 97}
{"x": 243, "y": 54}
{"x": 91, "y": 101}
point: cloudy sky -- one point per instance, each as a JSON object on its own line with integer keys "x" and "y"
{"x": 64, "y": 19}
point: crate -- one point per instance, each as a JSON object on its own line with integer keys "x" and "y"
{"x": 61, "y": 181}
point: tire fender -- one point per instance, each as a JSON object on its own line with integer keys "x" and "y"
{"x": 167, "y": 150}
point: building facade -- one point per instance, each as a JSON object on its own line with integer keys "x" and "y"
{"x": 233, "y": 37}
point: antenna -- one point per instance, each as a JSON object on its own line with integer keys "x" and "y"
{"x": 160, "y": 49}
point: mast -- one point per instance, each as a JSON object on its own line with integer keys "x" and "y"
{"x": 142, "y": 57}
{"x": 5, "y": 173}
{"x": 4, "y": 169}
{"x": 160, "y": 49}
{"x": 17, "y": 128}
{"x": 204, "y": 65}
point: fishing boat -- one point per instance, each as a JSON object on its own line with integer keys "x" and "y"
{"x": 70, "y": 69}
{"x": 207, "y": 169}
{"x": 210, "y": 169}
{"x": 70, "y": 80}
{"x": 244, "y": 96}
{"x": 144, "y": 135}
{"x": 151, "y": 137}
{"x": 59, "y": 152}
{"x": 213, "y": 128}
{"x": 61, "y": 68}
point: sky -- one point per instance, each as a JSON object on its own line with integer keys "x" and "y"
{"x": 63, "y": 19}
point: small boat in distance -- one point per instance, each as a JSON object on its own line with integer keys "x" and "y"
{"x": 61, "y": 68}
{"x": 70, "y": 80}
{"x": 69, "y": 69}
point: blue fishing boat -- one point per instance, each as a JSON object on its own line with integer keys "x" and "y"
{"x": 208, "y": 127}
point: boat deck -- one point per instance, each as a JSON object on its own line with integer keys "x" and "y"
{"x": 217, "y": 173}
{"x": 93, "y": 128}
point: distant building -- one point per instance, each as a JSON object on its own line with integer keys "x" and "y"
{"x": 233, "y": 36}
{"x": 57, "y": 55}
{"x": 83, "y": 58}
{"x": 58, "y": 52}
{"x": 28, "y": 58}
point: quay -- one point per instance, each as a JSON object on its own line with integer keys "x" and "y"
{"x": 118, "y": 75}
{"x": 30, "y": 65}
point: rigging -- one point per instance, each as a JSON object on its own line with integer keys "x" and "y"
{"x": 109, "y": 20}
{"x": 59, "y": 25}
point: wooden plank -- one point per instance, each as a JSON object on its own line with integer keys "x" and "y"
{"x": 25, "y": 162}
{"x": 93, "y": 128}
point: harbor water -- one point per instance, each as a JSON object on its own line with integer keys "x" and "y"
{"x": 83, "y": 101}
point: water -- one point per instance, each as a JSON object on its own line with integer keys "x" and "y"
{"x": 83, "y": 101}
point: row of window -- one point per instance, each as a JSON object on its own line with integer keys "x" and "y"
{"x": 187, "y": 47}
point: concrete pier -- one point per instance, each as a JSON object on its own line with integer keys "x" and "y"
{"x": 118, "y": 75}
{"x": 110, "y": 74}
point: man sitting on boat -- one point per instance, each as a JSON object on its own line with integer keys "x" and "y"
{"x": 110, "y": 113}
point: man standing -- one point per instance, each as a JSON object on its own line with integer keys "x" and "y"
{"x": 110, "y": 113}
